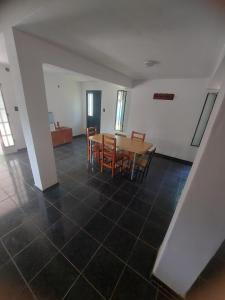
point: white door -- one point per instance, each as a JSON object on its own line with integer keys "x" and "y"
{"x": 6, "y": 137}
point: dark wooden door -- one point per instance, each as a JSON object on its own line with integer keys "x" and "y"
{"x": 93, "y": 101}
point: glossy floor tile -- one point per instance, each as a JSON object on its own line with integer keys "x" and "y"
{"x": 90, "y": 237}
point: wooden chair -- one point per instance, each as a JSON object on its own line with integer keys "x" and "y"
{"x": 95, "y": 148}
{"x": 142, "y": 163}
{"x": 111, "y": 158}
{"x": 138, "y": 136}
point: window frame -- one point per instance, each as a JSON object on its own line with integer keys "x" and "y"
{"x": 90, "y": 108}
{"x": 123, "y": 117}
{"x": 216, "y": 92}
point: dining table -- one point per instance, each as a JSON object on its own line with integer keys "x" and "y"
{"x": 125, "y": 144}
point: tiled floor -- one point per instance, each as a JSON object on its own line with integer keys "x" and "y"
{"x": 92, "y": 237}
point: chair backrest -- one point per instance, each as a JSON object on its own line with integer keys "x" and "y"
{"x": 108, "y": 147}
{"x": 91, "y": 131}
{"x": 138, "y": 136}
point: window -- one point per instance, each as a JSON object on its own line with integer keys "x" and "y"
{"x": 90, "y": 105}
{"x": 120, "y": 110}
{"x": 204, "y": 118}
{"x": 5, "y": 129}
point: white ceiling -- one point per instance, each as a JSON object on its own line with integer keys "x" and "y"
{"x": 71, "y": 74}
{"x": 3, "y": 53}
{"x": 185, "y": 36}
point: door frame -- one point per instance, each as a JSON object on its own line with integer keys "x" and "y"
{"x": 13, "y": 148}
{"x": 92, "y": 91}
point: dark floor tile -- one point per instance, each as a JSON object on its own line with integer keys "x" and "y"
{"x": 99, "y": 227}
{"x": 104, "y": 271}
{"x": 130, "y": 188}
{"x": 62, "y": 231}
{"x": 10, "y": 216}
{"x": 46, "y": 217}
{"x": 55, "y": 279}
{"x": 66, "y": 203}
{"x": 19, "y": 238}
{"x": 140, "y": 207}
{"x": 31, "y": 205}
{"x": 80, "y": 249}
{"x": 120, "y": 242}
{"x": 153, "y": 184}
{"x": 167, "y": 194}
{"x": 159, "y": 217}
{"x": 133, "y": 287}
{"x": 167, "y": 207}
{"x": 95, "y": 200}
{"x": 11, "y": 283}
{"x": 153, "y": 234}
{"x": 55, "y": 193}
{"x": 122, "y": 198}
{"x": 95, "y": 183}
{"x": 142, "y": 259}
{"x": 3, "y": 255}
{"x": 25, "y": 295}
{"x": 104, "y": 177}
{"x": 3, "y": 195}
{"x": 82, "y": 176}
{"x": 118, "y": 180}
{"x": 108, "y": 189}
{"x": 82, "y": 290}
{"x": 132, "y": 222}
{"x": 82, "y": 192}
{"x": 67, "y": 183}
{"x": 146, "y": 196}
{"x": 112, "y": 210}
{"x": 34, "y": 257}
{"x": 81, "y": 214}
{"x": 162, "y": 296}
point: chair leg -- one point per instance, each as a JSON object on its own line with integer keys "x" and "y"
{"x": 142, "y": 176}
{"x": 88, "y": 151}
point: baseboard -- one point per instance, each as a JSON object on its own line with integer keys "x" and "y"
{"x": 79, "y": 135}
{"x": 49, "y": 188}
{"x": 22, "y": 149}
{"x": 181, "y": 161}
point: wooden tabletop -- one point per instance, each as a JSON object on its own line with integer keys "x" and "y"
{"x": 124, "y": 143}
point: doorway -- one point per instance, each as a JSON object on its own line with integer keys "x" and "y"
{"x": 6, "y": 137}
{"x": 93, "y": 104}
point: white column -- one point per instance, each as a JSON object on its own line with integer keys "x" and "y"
{"x": 30, "y": 95}
{"x": 198, "y": 226}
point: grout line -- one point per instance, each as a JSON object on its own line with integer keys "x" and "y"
{"x": 155, "y": 198}
{"x": 98, "y": 211}
{"x": 20, "y": 273}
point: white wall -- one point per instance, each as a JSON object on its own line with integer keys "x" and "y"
{"x": 168, "y": 124}
{"x": 109, "y": 99}
{"x": 64, "y": 101}
{"x": 10, "y": 102}
{"x": 198, "y": 227}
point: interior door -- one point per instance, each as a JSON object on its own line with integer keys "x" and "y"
{"x": 93, "y": 101}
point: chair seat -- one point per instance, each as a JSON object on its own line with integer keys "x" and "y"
{"x": 141, "y": 162}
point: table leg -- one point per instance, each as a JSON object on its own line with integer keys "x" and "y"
{"x": 133, "y": 165}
